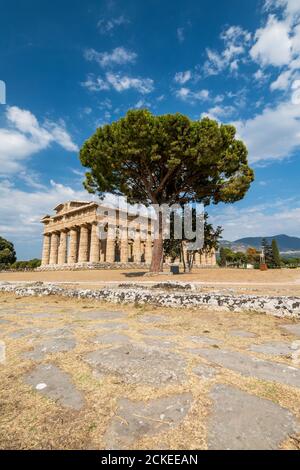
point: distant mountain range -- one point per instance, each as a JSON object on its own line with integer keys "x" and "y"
{"x": 286, "y": 244}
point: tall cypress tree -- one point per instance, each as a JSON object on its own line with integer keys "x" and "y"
{"x": 276, "y": 254}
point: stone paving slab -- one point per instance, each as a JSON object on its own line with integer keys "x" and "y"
{"x": 157, "y": 332}
{"x": 240, "y": 421}
{"x": 139, "y": 364}
{"x": 242, "y": 334}
{"x": 253, "y": 367}
{"x": 105, "y": 315}
{"x": 111, "y": 338}
{"x": 50, "y": 346}
{"x": 204, "y": 371}
{"x": 274, "y": 348}
{"x": 200, "y": 339}
{"x": 141, "y": 419}
{"x": 152, "y": 319}
{"x": 160, "y": 343}
{"x": 56, "y": 384}
{"x": 293, "y": 329}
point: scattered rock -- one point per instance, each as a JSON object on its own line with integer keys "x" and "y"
{"x": 253, "y": 367}
{"x": 52, "y": 382}
{"x": 138, "y": 419}
{"x": 139, "y": 364}
{"x": 240, "y": 421}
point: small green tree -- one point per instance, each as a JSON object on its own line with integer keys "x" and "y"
{"x": 267, "y": 248}
{"x": 166, "y": 160}
{"x": 276, "y": 254}
{"x": 222, "y": 256}
{"x": 7, "y": 252}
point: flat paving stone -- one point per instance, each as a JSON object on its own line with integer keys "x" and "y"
{"x": 138, "y": 419}
{"x": 204, "y": 340}
{"x": 275, "y": 348}
{"x": 26, "y": 332}
{"x": 152, "y": 319}
{"x": 159, "y": 343}
{"x": 240, "y": 421}
{"x": 40, "y": 332}
{"x": 139, "y": 364}
{"x": 204, "y": 371}
{"x": 242, "y": 334}
{"x": 105, "y": 315}
{"x": 111, "y": 338}
{"x": 293, "y": 329}
{"x": 158, "y": 332}
{"x": 56, "y": 384}
{"x": 50, "y": 346}
{"x": 2, "y": 352}
{"x": 113, "y": 326}
{"x": 252, "y": 367}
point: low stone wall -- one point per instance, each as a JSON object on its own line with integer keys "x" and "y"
{"x": 177, "y": 298}
{"x": 116, "y": 265}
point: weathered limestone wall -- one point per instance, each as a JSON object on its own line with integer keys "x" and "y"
{"x": 180, "y": 297}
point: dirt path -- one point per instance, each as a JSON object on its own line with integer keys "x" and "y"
{"x": 78, "y": 374}
{"x": 273, "y": 282}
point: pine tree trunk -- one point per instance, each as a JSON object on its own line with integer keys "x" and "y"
{"x": 157, "y": 256}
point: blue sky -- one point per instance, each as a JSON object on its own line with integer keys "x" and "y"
{"x": 71, "y": 66}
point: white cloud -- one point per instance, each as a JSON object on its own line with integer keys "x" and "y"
{"x": 119, "y": 83}
{"x": 106, "y": 26}
{"x": 273, "y": 44}
{"x": 282, "y": 82}
{"x": 118, "y": 56}
{"x": 180, "y": 34}
{"x": 274, "y": 134}
{"x": 259, "y": 220}
{"x": 236, "y": 41}
{"x": 183, "y": 77}
{"x": 218, "y": 112}
{"x": 24, "y": 136}
{"x": 185, "y": 94}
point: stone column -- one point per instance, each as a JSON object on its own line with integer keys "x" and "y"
{"x": 46, "y": 249}
{"x": 62, "y": 249}
{"x": 83, "y": 255}
{"x": 54, "y": 248}
{"x": 110, "y": 250}
{"x": 72, "y": 258}
{"x": 148, "y": 250}
{"x": 95, "y": 245}
{"x": 137, "y": 254}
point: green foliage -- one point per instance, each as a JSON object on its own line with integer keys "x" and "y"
{"x": 173, "y": 248}
{"x": 7, "y": 252}
{"x": 166, "y": 159}
{"x": 30, "y": 264}
{"x": 276, "y": 254}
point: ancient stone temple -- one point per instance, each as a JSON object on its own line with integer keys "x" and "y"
{"x": 72, "y": 241}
